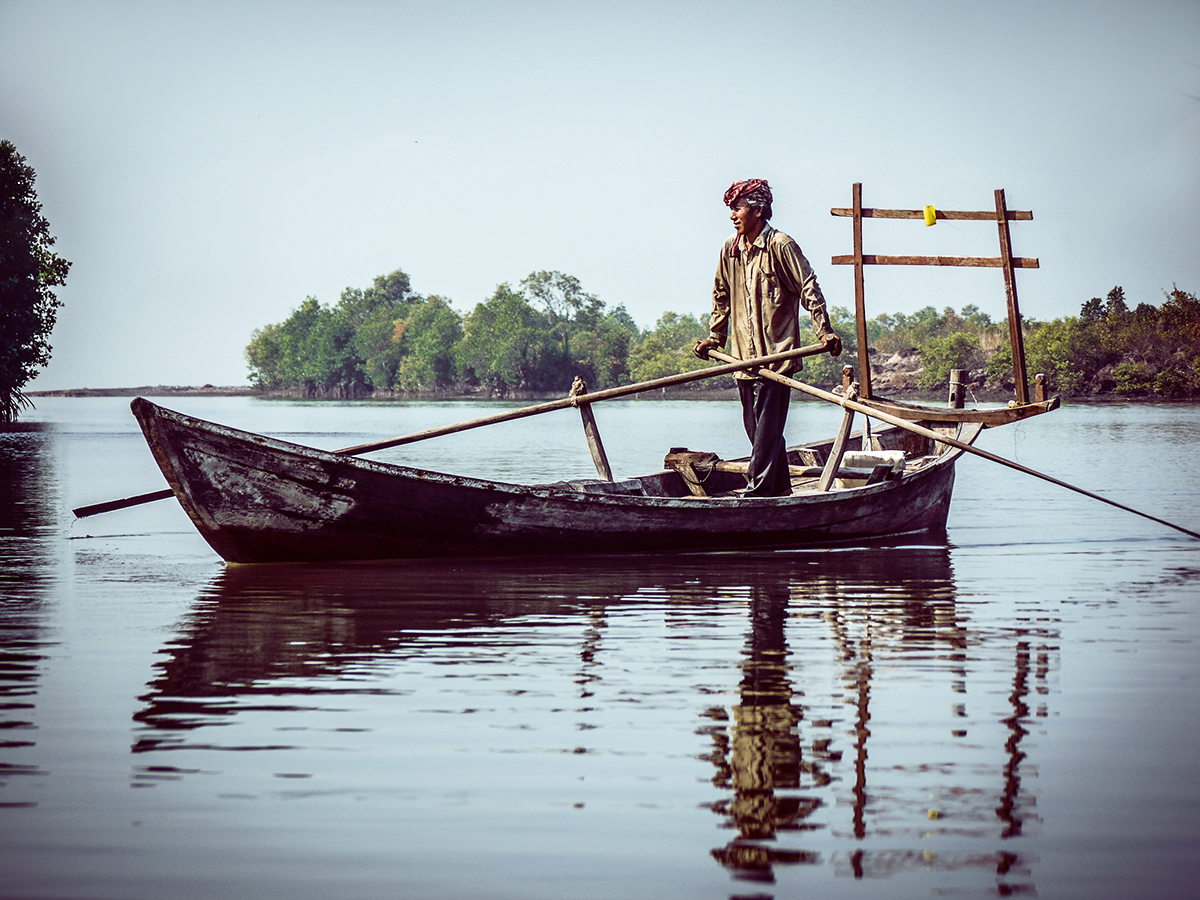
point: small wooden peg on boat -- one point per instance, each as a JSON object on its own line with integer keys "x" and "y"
{"x": 956, "y": 388}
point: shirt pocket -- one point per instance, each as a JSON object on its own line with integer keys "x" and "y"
{"x": 778, "y": 310}
{"x": 770, "y": 291}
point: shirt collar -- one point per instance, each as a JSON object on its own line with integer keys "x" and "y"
{"x": 759, "y": 242}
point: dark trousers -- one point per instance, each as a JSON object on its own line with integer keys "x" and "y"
{"x": 764, "y": 413}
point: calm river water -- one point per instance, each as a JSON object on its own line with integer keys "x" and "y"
{"x": 1010, "y": 709}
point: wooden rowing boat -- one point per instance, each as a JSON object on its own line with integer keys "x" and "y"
{"x": 255, "y": 499}
{"x": 258, "y": 499}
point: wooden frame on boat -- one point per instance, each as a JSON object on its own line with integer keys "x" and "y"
{"x": 1024, "y": 407}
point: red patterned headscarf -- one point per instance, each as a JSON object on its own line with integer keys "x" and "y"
{"x": 755, "y": 192}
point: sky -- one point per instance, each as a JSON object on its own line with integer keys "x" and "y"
{"x": 208, "y": 166}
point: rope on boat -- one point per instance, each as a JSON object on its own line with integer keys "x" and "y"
{"x": 578, "y": 388}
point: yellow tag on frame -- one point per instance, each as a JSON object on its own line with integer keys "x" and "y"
{"x": 930, "y": 215}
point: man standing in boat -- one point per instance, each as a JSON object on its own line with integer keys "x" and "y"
{"x": 762, "y": 282}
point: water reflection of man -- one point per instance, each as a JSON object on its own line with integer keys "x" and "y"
{"x": 762, "y": 760}
{"x": 762, "y": 282}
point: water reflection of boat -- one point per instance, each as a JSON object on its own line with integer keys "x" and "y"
{"x": 790, "y": 753}
{"x": 256, "y": 499}
{"x": 255, "y": 625}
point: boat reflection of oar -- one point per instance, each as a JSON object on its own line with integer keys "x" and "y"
{"x": 733, "y": 365}
{"x": 937, "y": 436}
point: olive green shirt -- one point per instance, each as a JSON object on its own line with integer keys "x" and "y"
{"x": 757, "y": 298}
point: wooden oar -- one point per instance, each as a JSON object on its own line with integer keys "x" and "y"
{"x": 626, "y": 390}
{"x": 953, "y": 442}
{"x": 109, "y": 505}
{"x": 734, "y": 365}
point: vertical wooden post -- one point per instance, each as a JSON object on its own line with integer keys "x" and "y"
{"x": 591, "y": 432}
{"x": 1041, "y": 391}
{"x": 860, "y": 300}
{"x": 847, "y": 378}
{"x": 838, "y": 450}
{"x": 956, "y": 388}
{"x": 1020, "y": 376}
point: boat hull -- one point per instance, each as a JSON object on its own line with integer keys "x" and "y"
{"x": 257, "y": 499}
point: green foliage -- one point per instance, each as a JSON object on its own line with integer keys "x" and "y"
{"x": 344, "y": 350}
{"x": 972, "y": 315}
{"x": 331, "y": 363}
{"x": 959, "y": 350}
{"x": 1107, "y": 347}
{"x": 1066, "y": 351}
{"x": 278, "y": 355}
{"x": 508, "y": 345}
{"x": 427, "y": 338}
{"x": 1134, "y": 378}
{"x": 265, "y": 356}
{"x": 29, "y": 270}
{"x": 389, "y": 338}
{"x": 1091, "y": 312}
{"x": 595, "y": 343}
{"x": 825, "y": 370}
{"x": 892, "y": 332}
{"x": 561, "y": 298}
{"x": 601, "y": 347}
{"x": 889, "y": 333}
{"x": 373, "y": 315}
{"x": 999, "y": 366}
{"x": 1182, "y": 380}
{"x": 1151, "y": 349}
{"x": 1179, "y": 320}
{"x": 667, "y": 348}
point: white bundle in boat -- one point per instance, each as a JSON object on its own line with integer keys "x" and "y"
{"x": 867, "y": 460}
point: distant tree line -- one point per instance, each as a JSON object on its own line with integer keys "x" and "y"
{"x": 387, "y": 340}
{"x": 1110, "y": 348}
{"x": 1107, "y": 349}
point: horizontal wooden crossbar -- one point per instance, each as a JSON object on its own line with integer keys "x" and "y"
{"x": 986, "y": 262}
{"x": 1017, "y": 215}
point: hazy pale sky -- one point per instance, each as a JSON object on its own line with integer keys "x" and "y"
{"x": 206, "y": 166}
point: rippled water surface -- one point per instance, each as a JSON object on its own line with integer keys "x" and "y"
{"x": 1007, "y": 709}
